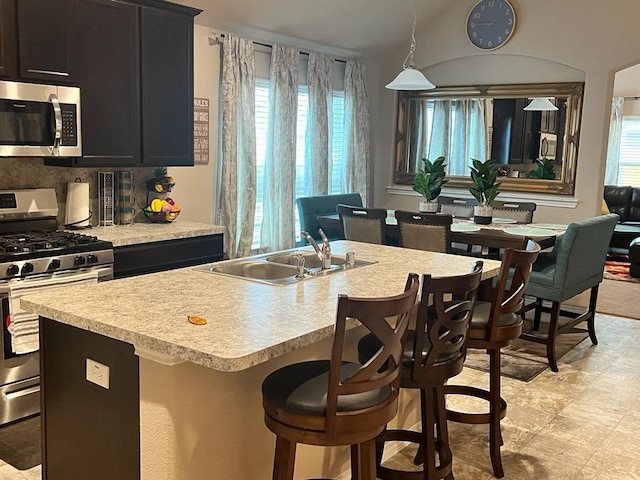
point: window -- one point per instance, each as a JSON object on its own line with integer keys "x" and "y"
{"x": 337, "y": 147}
{"x": 629, "y": 162}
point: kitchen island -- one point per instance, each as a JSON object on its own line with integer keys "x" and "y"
{"x": 200, "y": 413}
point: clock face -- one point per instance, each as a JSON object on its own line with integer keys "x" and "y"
{"x": 490, "y": 24}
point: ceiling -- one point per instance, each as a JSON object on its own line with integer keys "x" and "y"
{"x": 348, "y": 28}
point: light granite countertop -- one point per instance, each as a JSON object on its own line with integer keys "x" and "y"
{"x": 122, "y": 235}
{"x": 248, "y": 322}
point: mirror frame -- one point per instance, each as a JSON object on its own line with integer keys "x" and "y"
{"x": 572, "y": 90}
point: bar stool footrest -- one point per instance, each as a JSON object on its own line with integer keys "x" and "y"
{"x": 472, "y": 418}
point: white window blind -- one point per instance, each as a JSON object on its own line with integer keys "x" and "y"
{"x": 337, "y": 149}
{"x": 629, "y": 163}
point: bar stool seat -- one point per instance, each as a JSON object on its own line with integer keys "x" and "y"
{"x": 336, "y": 402}
{"x": 433, "y": 353}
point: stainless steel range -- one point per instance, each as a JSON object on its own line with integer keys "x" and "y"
{"x": 35, "y": 256}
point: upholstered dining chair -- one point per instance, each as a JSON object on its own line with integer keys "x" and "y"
{"x": 425, "y": 231}
{"x": 458, "y": 207}
{"x": 433, "y": 353}
{"x": 495, "y": 324}
{"x": 363, "y": 224}
{"x": 337, "y": 402}
{"x": 522, "y": 212}
{"x": 575, "y": 265}
{"x": 310, "y": 207}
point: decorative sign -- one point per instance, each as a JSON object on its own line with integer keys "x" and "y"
{"x": 201, "y": 131}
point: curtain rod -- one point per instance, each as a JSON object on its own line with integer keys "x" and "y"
{"x": 218, "y": 39}
{"x": 631, "y": 98}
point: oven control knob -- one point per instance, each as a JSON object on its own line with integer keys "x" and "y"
{"x": 92, "y": 258}
{"x": 78, "y": 261}
{"x": 54, "y": 264}
{"x": 27, "y": 268}
{"x": 13, "y": 270}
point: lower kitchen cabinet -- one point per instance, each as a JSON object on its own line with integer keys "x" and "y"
{"x": 89, "y": 431}
{"x": 164, "y": 255}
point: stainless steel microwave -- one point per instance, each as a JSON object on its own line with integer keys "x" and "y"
{"x": 39, "y": 120}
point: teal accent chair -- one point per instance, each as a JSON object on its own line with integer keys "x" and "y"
{"x": 575, "y": 265}
{"x": 310, "y": 207}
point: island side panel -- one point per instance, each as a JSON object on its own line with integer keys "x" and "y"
{"x": 88, "y": 431}
{"x": 199, "y": 423}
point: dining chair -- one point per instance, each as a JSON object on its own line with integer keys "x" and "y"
{"x": 310, "y": 207}
{"x": 458, "y": 207}
{"x": 425, "y": 231}
{"x": 363, "y": 224}
{"x": 337, "y": 402}
{"x": 575, "y": 265}
{"x": 495, "y": 324}
{"x": 433, "y": 353}
{"x": 522, "y": 212}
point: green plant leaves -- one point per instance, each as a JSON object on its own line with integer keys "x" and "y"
{"x": 544, "y": 169}
{"x": 428, "y": 181}
{"x": 484, "y": 176}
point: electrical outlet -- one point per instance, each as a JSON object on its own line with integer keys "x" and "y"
{"x": 98, "y": 373}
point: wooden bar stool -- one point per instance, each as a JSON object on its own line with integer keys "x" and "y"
{"x": 494, "y": 325}
{"x": 336, "y": 402}
{"x": 433, "y": 353}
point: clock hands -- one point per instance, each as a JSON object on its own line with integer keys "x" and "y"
{"x": 486, "y": 23}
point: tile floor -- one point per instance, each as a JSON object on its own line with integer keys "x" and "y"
{"x": 580, "y": 423}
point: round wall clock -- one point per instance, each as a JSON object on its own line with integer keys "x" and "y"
{"x": 491, "y": 23}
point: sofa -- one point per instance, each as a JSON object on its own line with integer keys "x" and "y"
{"x": 625, "y": 202}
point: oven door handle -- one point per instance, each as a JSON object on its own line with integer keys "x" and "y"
{"x": 57, "y": 112}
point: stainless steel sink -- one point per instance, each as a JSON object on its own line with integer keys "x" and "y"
{"x": 280, "y": 268}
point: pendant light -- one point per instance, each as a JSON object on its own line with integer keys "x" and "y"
{"x": 411, "y": 78}
{"x": 541, "y": 104}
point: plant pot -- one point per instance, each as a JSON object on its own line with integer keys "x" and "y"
{"x": 428, "y": 207}
{"x": 482, "y": 214}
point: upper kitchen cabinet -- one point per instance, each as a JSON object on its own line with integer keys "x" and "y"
{"x": 134, "y": 63}
{"x": 35, "y": 38}
{"x": 8, "y": 39}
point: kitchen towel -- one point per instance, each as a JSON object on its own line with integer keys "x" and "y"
{"x": 22, "y": 325}
{"x": 77, "y": 213}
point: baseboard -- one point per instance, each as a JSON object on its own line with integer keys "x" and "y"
{"x": 389, "y": 452}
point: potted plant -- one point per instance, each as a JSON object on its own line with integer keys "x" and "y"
{"x": 428, "y": 183}
{"x": 544, "y": 169}
{"x": 484, "y": 189}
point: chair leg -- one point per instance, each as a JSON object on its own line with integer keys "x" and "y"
{"x": 442, "y": 431}
{"x": 537, "y": 314}
{"x": 284, "y": 459}
{"x": 551, "y": 336}
{"x": 591, "y": 322}
{"x": 363, "y": 461}
{"x": 495, "y": 435}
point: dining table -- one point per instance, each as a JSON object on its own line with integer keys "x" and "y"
{"x": 500, "y": 233}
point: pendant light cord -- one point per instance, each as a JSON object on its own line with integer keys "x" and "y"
{"x": 412, "y": 47}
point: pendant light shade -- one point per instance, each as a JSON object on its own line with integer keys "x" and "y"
{"x": 541, "y": 104}
{"x": 411, "y": 78}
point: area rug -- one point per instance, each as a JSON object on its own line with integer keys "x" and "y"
{"x": 619, "y": 299}
{"x": 523, "y": 360}
{"x": 618, "y": 270}
{"x": 20, "y": 443}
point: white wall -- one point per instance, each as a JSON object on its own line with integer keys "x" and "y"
{"x": 597, "y": 38}
{"x": 195, "y": 189}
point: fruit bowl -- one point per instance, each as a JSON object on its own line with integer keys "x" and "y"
{"x": 161, "y": 217}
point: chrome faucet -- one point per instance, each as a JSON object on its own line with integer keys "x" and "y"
{"x": 324, "y": 252}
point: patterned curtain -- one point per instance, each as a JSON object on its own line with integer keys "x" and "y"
{"x": 318, "y": 134}
{"x": 278, "y": 223}
{"x": 613, "y": 147}
{"x": 238, "y": 173}
{"x": 356, "y": 106}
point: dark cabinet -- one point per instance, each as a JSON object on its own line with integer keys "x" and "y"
{"x": 108, "y": 55}
{"x": 135, "y": 71}
{"x": 8, "y": 39}
{"x": 35, "y": 37}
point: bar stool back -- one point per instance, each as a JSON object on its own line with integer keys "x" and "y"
{"x": 336, "y": 402}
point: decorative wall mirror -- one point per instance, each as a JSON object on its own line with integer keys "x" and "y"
{"x": 490, "y": 122}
